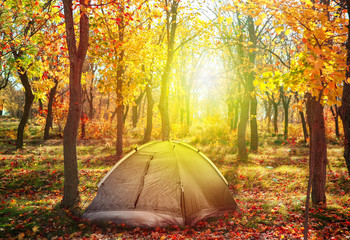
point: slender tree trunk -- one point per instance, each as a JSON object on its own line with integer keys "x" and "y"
{"x": 83, "y": 122}
{"x": 236, "y": 108}
{"x": 91, "y": 106}
{"x": 135, "y": 110}
{"x": 286, "y": 121}
{"x": 345, "y": 117}
{"x": 150, "y": 103}
{"x": 344, "y": 109}
{"x": 268, "y": 106}
{"x": 303, "y": 123}
{"x": 113, "y": 115}
{"x": 275, "y": 118}
{"x": 48, "y": 123}
{"x": 29, "y": 98}
{"x": 120, "y": 110}
{"x": 76, "y": 59}
{"x": 336, "y": 121}
{"x": 242, "y": 126}
{"x": 100, "y": 107}
{"x": 254, "y": 142}
{"x": 335, "y": 114}
{"x": 254, "y": 137}
{"x": 285, "y": 104}
{"x": 171, "y": 24}
{"x": 125, "y": 114}
{"x": 318, "y": 150}
{"x": 134, "y": 116}
{"x": 41, "y": 107}
{"x": 120, "y": 80}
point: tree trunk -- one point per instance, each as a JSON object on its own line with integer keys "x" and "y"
{"x": 120, "y": 80}
{"x": 134, "y": 116}
{"x": 83, "y": 121}
{"x": 135, "y": 110}
{"x": 303, "y": 123}
{"x": 120, "y": 109}
{"x": 318, "y": 150}
{"x": 275, "y": 118}
{"x": 125, "y": 114}
{"x": 171, "y": 24}
{"x": 286, "y": 119}
{"x": 335, "y": 114}
{"x": 235, "y": 123}
{"x": 90, "y": 98}
{"x": 267, "y": 108}
{"x": 41, "y": 107}
{"x": 254, "y": 141}
{"x": 285, "y": 104}
{"x": 254, "y": 138}
{"x": 242, "y": 125}
{"x": 113, "y": 115}
{"x": 48, "y": 123}
{"x": 76, "y": 59}
{"x": 344, "y": 109}
{"x": 150, "y": 103}
{"x": 29, "y": 98}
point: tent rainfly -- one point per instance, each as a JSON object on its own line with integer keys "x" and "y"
{"x": 160, "y": 184}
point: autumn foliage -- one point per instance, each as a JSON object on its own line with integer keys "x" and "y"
{"x": 260, "y": 86}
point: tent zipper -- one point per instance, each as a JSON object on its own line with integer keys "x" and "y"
{"x": 145, "y": 171}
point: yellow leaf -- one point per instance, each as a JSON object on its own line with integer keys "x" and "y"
{"x": 279, "y": 30}
{"x": 229, "y": 20}
{"x": 287, "y": 32}
{"x": 220, "y": 19}
{"x": 260, "y": 19}
{"x": 35, "y": 229}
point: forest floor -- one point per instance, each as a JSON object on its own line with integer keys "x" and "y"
{"x": 269, "y": 189}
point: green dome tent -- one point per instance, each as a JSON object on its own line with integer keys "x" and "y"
{"x": 160, "y": 184}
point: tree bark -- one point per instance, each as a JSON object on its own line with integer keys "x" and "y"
{"x": 29, "y": 98}
{"x": 303, "y": 123}
{"x": 235, "y": 123}
{"x": 242, "y": 126}
{"x": 335, "y": 114}
{"x": 171, "y": 24}
{"x": 254, "y": 137}
{"x": 76, "y": 60}
{"x": 285, "y": 104}
{"x": 41, "y": 107}
{"x": 254, "y": 141}
{"x": 268, "y": 106}
{"x": 126, "y": 111}
{"x": 344, "y": 109}
{"x": 48, "y": 123}
{"x": 318, "y": 150}
{"x": 150, "y": 103}
{"x": 120, "y": 80}
{"x": 120, "y": 108}
{"x": 275, "y": 118}
{"x": 345, "y": 117}
{"x": 135, "y": 110}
